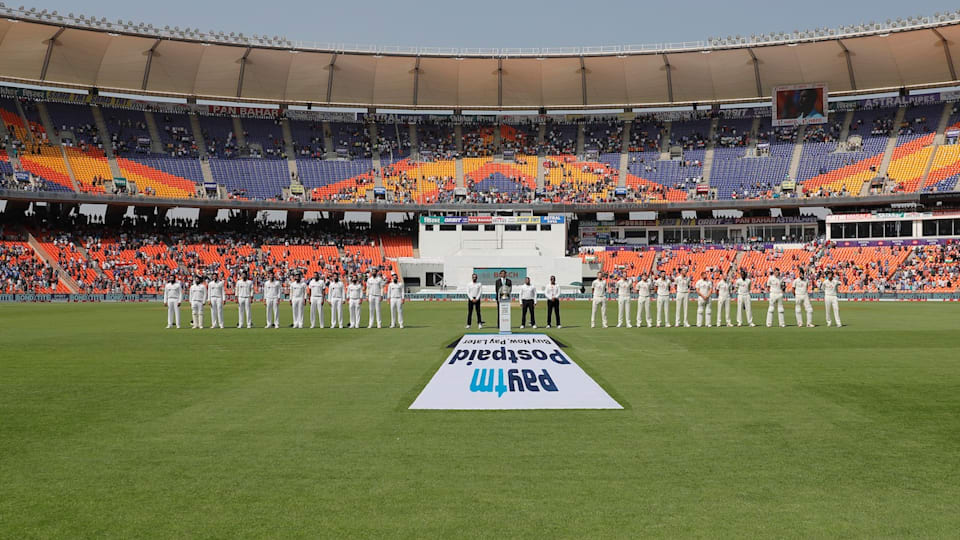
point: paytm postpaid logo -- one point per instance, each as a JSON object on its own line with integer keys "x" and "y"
{"x": 524, "y": 371}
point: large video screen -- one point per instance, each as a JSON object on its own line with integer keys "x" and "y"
{"x": 799, "y": 104}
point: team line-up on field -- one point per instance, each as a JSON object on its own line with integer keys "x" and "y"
{"x": 332, "y": 291}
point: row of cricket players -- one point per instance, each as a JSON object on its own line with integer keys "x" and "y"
{"x": 318, "y": 291}
{"x": 704, "y": 289}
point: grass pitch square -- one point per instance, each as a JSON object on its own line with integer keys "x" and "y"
{"x": 113, "y": 426}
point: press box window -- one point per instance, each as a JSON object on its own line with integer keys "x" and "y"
{"x": 448, "y": 228}
{"x": 545, "y": 227}
{"x": 489, "y": 228}
{"x": 531, "y": 227}
{"x": 470, "y": 228}
{"x": 511, "y": 227}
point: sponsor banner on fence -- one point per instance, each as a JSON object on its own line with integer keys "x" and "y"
{"x": 521, "y": 371}
{"x": 492, "y": 220}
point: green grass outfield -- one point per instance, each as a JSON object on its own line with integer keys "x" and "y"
{"x": 111, "y": 425}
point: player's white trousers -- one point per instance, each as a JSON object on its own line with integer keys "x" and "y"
{"x": 703, "y": 306}
{"x": 273, "y": 312}
{"x": 776, "y": 304}
{"x": 216, "y": 312}
{"x": 803, "y": 303}
{"x": 243, "y": 315}
{"x": 723, "y": 308}
{"x": 297, "y": 306}
{"x": 831, "y": 304}
{"x": 663, "y": 309}
{"x": 173, "y": 313}
{"x": 354, "y": 308}
{"x": 336, "y": 313}
{"x": 601, "y": 304}
{"x": 643, "y": 310}
{"x": 743, "y": 306}
{"x": 196, "y": 309}
{"x": 316, "y": 311}
{"x": 374, "y": 309}
{"x": 623, "y": 312}
{"x": 683, "y": 300}
{"x": 396, "y": 312}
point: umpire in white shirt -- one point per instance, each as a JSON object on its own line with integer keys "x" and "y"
{"x": 528, "y": 299}
{"x": 474, "y": 294}
{"x": 552, "y": 292}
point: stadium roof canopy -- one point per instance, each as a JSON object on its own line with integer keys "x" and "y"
{"x": 45, "y": 49}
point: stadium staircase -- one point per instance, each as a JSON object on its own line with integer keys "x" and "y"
{"x": 624, "y": 153}
{"x": 198, "y": 138}
{"x": 458, "y": 167}
{"x": 891, "y": 142}
{"x": 375, "y": 155}
{"x": 46, "y": 121}
{"x": 581, "y": 138}
{"x": 414, "y": 143}
{"x": 709, "y": 153}
{"x": 329, "y": 147}
{"x": 665, "y": 140}
{"x": 8, "y": 146}
{"x": 752, "y": 143}
{"x": 735, "y": 265}
{"x": 937, "y": 140}
{"x": 845, "y": 127}
{"x": 288, "y": 142}
{"x": 498, "y": 142}
{"x": 104, "y": 132}
{"x": 26, "y": 122}
{"x": 95, "y": 265}
{"x": 794, "y": 169}
{"x": 62, "y": 274}
{"x": 156, "y": 143}
{"x": 238, "y": 133}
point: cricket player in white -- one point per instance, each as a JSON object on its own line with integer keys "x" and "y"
{"x": 395, "y": 296}
{"x": 663, "y": 299}
{"x": 474, "y": 292}
{"x": 643, "y": 286}
{"x": 624, "y": 285}
{"x": 316, "y": 287}
{"x": 172, "y": 296}
{"x": 198, "y": 297}
{"x": 335, "y": 295}
{"x": 298, "y": 297}
{"x": 552, "y": 292}
{"x": 244, "y": 292}
{"x": 801, "y": 294}
{"x": 215, "y": 296}
{"x": 704, "y": 291}
{"x": 683, "y": 298}
{"x": 272, "y": 294}
{"x": 354, "y": 299}
{"x": 775, "y": 288}
{"x": 723, "y": 300}
{"x": 374, "y": 297}
{"x": 599, "y": 301}
{"x": 743, "y": 285}
{"x": 830, "y": 303}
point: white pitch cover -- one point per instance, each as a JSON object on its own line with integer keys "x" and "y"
{"x": 518, "y": 371}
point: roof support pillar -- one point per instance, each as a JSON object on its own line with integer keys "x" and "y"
{"x": 500, "y": 82}
{"x": 846, "y": 54}
{"x": 416, "y": 82}
{"x": 243, "y": 67}
{"x": 583, "y": 80}
{"x": 146, "y": 69}
{"x": 756, "y": 72}
{"x": 666, "y": 65}
{"x": 331, "y": 66}
{"x": 946, "y": 54}
{"x": 46, "y": 59}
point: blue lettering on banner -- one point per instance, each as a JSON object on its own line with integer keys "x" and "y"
{"x": 518, "y": 379}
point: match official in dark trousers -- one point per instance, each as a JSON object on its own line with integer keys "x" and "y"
{"x": 528, "y": 299}
{"x": 502, "y": 282}
{"x": 474, "y": 293}
{"x": 552, "y": 292}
